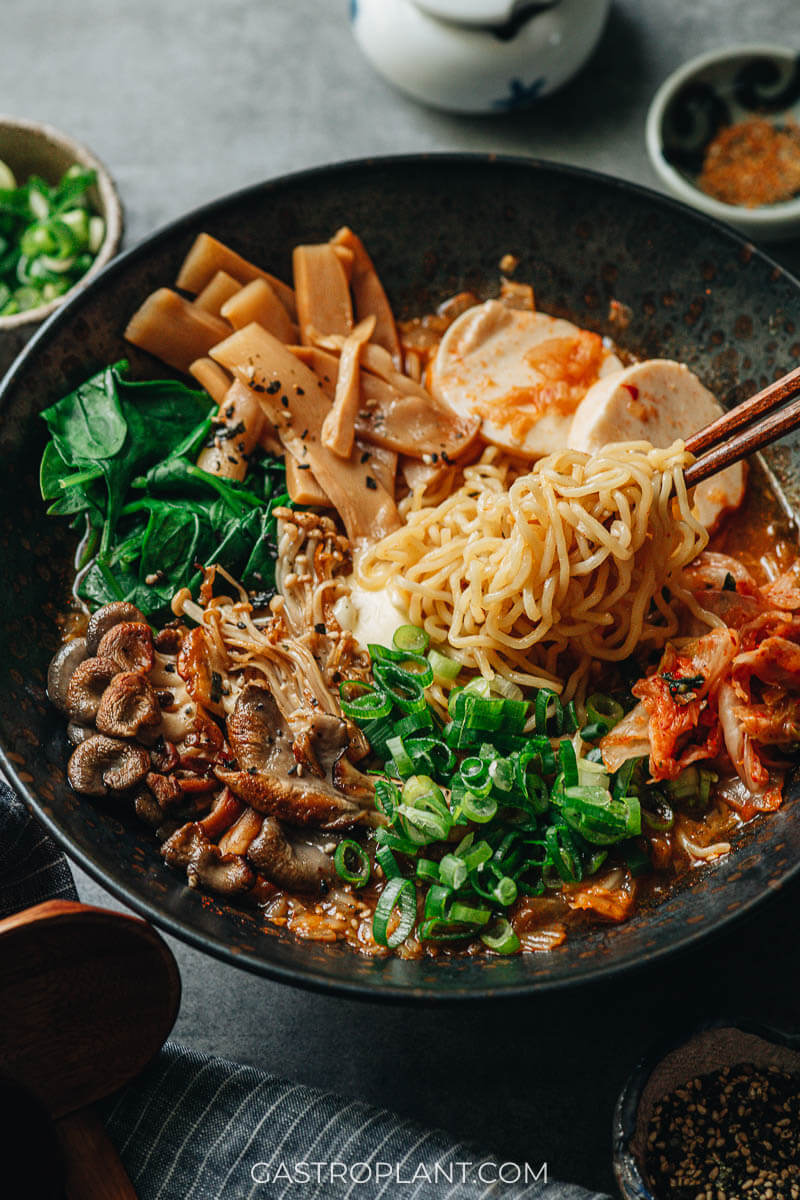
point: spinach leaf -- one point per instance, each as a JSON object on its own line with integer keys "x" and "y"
{"x": 155, "y": 513}
{"x": 71, "y": 491}
{"x": 88, "y": 425}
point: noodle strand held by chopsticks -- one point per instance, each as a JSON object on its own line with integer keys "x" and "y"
{"x": 513, "y": 572}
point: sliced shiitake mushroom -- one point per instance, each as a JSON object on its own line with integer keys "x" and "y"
{"x": 106, "y": 617}
{"x": 86, "y": 687}
{"x": 205, "y": 865}
{"x": 293, "y": 863}
{"x": 130, "y": 645}
{"x": 105, "y": 764}
{"x": 128, "y": 706}
{"x": 66, "y": 659}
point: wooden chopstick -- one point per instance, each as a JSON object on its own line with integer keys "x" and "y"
{"x": 771, "y": 426}
{"x": 744, "y": 429}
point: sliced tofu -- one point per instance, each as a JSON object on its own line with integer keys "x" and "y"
{"x": 656, "y": 401}
{"x": 523, "y": 373}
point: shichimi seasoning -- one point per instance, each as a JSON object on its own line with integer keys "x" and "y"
{"x": 753, "y": 163}
{"x": 730, "y": 1135}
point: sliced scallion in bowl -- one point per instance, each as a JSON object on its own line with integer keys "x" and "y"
{"x": 49, "y": 237}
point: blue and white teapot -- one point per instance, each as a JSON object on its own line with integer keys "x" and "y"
{"x": 478, "y": 56}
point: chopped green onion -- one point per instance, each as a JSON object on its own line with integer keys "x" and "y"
{"x": 444, "y": 668}
{"x": 594, "y": 731}
{"x": 505, "y": 891}
{"x": 501, "y": 938}
{"x": 363, "y": 702}
{"x": 563, "y": 854}
{"x": 404, "y": 689}
{"x": 477, "y": 855}
{"x": 604, "y": 710}
{"x": 501, "y": 773}
{"x": 388, "y": 863}
{"x": 480, "y": 809}
{"x": 428, "y": 869}
{"x": 453, "y": 871}
{"x": 438, "y": 930}
{"x": 544, "y": 698}
{"x": 436, "y": 901}
{"x": 400, "y": 756}
{"x": 569, "y": 763}
{"x": 409, "y": 638}
{"x": 413, "y": 723}
{"x": 396, "y": 841}
{"x": 357, "y": 872}
{"x": 467, "y": 914}
{"x": 398, "y": 893}
{"x": 387, "y": 797}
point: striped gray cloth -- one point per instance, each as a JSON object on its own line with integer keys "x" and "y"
{"x": 195, "y": 1127}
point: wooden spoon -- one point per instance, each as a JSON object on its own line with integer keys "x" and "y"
{"x": 87, "y": 997}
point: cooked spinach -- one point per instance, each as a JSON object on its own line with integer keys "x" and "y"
{"x": 121, "y": 458}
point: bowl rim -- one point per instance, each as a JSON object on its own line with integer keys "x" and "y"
{"x": 113, "y": 214}
{"x": 312, "y": 978}
{"x": 755, "y": 220}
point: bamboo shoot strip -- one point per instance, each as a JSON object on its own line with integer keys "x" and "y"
{"x": 323, "y": 298}
{"x": 211, "y": 377}
{"x": 259, "y": 302}
{"x": 174, "y": 329}
{"x": 208, "y": 255}
{"x": 370, "y": 298}
{"x": 383, "y": 463}
{"x": 295, "y": 403}
{"x": 219, "y": 288}
{"x": 236, "y": 430}
{"x": 410, "y": 423}
{"x": 338, "y": 429}
{"x": 301, "y": 484}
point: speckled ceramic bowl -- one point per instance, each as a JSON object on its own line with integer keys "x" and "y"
{"x": 434, "y": 225}
{"x": 33, "y": 148}
{"x": 672, "y": 1064}
{"x": 716, "y": 89}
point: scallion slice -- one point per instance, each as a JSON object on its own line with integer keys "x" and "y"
{"x": 400, "y": 757}
{"x": 398, "y": 893}
{"x": 468, "y": 914}
{"x": 352, "y": 863}
{"x": 403, "y": 689}
{"x": 453, "y": 871}
{"x": 362, "y": 702}
{"x": 476, "y": 808}
{"x": 501, "y": 938}
{"x": 444, "y": 668}
{"x": 604, "y": 710}
{"x": 410, "y": 638}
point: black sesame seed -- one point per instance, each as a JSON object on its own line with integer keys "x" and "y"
{"x": 371, "y": 484}
{"x": 274, "y": 387}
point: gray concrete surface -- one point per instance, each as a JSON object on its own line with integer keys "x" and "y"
{"x": 186, "y": 100}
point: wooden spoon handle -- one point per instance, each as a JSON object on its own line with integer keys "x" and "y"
{"x": 92, "y": 1168}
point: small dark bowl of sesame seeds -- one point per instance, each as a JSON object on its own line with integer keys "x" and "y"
{"x": 715, "y": 1116}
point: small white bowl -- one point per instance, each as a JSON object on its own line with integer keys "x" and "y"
{"x": 32, "y": 148}
{"x": 461, "y": 66}
{"x": 723, "y": 87}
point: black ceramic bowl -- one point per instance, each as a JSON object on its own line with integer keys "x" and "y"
{"x": 674, "y": 1063}
{"x": 434, "y": 226}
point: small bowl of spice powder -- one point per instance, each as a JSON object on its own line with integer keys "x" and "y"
{"x": 715, "y": 1118}
{"x": 723, "y": 133}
